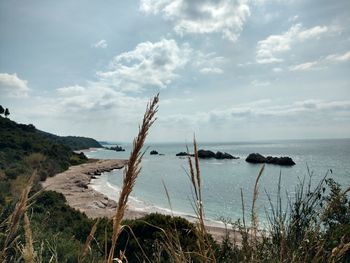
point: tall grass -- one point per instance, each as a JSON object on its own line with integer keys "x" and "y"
{"x": 206, "y": 252}
{"x": 11, "y": 225}
{"x": 132, "y": 170}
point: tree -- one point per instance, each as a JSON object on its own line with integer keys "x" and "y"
{"x": 2, "y": 110}
{"x": 7, "y": 112}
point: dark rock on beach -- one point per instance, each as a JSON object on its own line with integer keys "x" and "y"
{"x": 153, "y": 152}
{"x": 97, "y": 172}
{"x": 258, "y": 158}
{"x": 82, "y": 184}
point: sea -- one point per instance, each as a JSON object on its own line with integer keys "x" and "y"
{"x": 224, "y": 180}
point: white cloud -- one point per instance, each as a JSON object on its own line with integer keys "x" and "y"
{"x": 226, "y": 17}
{"x": 211, "y": 70}
{"x": 339, "y": 57}
{"x": 149, "y": 64}
{"x": 277, "y": 70}
{"x": 258, "y": 83}
{"x": 264, "y": 111}
{"x": 208, "y": 63}
{"x": 269, "y": 49}
{"x": 11, "y": 85}
{"x": 101, "y": 44}
{"x": 94, "y": 97}
{"x": 71, "y": 90}
{"x": 322, "y": 62}
{"x": 303, "y": 66}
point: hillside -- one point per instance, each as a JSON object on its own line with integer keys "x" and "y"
{"x": 73, "y": 142}
{"x": 23, "y": 148}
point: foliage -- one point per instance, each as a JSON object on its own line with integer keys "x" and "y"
{"x": 315, "y": 227}
{"x": 24, "y": 149}
{"x": 7, "y": 112}
{"x": 73, "y": 142}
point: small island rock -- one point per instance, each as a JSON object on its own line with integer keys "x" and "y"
{"x": 183, "y": 154}
{"x": 153, "y": 152}
{"x": 221, "y": 155}
{"x": 116, "y": 148}
{"x": 258, "y": 158}
{"x": 205, "y": 154}
{"x": 255, "y": 158}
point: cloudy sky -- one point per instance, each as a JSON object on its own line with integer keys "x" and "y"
{"x": 227, "y": 70}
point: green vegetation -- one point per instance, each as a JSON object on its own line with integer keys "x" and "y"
{"x": 23, "y": 149}
{"x": 73, "y": 142}
{"x": 61, "y": 231}
{"x": 6, "y": 111}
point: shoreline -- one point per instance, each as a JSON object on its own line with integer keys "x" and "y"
{"x": 82, "y": 185}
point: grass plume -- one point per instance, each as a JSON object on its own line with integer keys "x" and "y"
{"x": 132, "y": 170}
{"x": 14, "y": 220}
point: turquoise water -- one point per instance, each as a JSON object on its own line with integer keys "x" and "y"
{"x": 223, "y": 179}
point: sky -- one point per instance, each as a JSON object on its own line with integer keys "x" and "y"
{"x": 226, "y": 70}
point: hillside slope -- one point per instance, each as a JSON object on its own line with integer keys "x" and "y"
{"x": 24, "y": 148}
{"x": 73, "y": 142}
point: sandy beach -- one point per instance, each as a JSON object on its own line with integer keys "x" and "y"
{"x": 76, "y": 184}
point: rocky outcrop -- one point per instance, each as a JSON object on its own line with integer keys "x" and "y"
{"x": 116, "y": 148}
{"x": 255, "y": 158}
{"x": 258, "y": 158}
{"x": 153, "y": 152}
{"x": 221, "y": 155}
{"x": 287, "y": 161}
{"x": 206, "y": 154}
{"x": 184, "y": 154}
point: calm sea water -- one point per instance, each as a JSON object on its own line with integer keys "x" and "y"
{"x": 223, "y": 179}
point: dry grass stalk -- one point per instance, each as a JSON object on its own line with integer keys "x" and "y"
{"x": 86, "y": 247}
{"x": 206, "y": 251}
{"x": 15, "y": 217}
{"x": 28, "y": 253}
{"x": 172, "y": 246}
{"x": 132, "y": 170}
{"x": 171, "y": 239}
{"x": 255, "y": 222}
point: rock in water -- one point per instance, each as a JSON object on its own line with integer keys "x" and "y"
{"x": 182, "y": 154}
{"x": 116, "y": 148}
{"x": 258, "y": 158}
{"x": 205, "y": 154}
{"x": 153, "y": 152}
{"x": 285, "y": 161}
{"x": 255, "y": 158}
{"x": 220, "y": 155}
